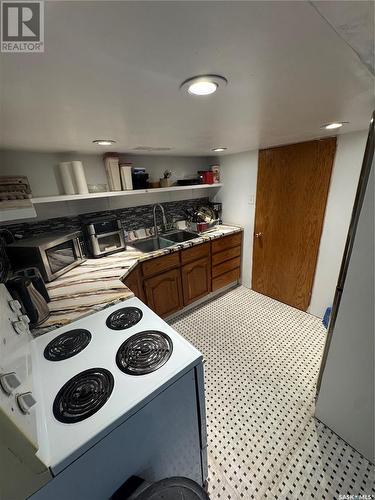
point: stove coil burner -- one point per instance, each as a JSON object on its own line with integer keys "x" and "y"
{"x": 83, "y": 395}
{"x": 67, "y": 344}
{"x": 144, "y": 352}
{"x": 124, "y": 318}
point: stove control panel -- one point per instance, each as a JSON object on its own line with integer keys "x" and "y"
{"x": 15, "y": 305}
{"x": 24, "y": 318}
{"x": 17, "y": 376}
{"x": 20, "y": 326}
{"x": 9, "y": 382}
{"x": 25, "y": 402}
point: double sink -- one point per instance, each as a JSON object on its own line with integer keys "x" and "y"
{"x": 163, "y": 241}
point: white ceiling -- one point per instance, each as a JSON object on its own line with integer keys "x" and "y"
{"x": 354, "y": 22}
{"x": 113, "y": 70}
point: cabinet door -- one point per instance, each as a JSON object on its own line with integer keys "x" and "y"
{"x": 134, "y": 281}
{"x": 196, "y": 280}
{"x": 164, "y": 292}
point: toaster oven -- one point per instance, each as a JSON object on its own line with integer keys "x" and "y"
{"x": 105, "y": 236}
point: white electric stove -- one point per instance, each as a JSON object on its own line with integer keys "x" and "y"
{"x": 113, "y": 395}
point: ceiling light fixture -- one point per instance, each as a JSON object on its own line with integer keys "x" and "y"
{"x": 204, "y": 84}
{"x": 202, "y": 88}
{"x": 104, "y": 142}
{"x": 219, "y": 150}
{"x": 333, "y": 125}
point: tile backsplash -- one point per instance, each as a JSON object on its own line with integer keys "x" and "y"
{"x": 132, "y": 218}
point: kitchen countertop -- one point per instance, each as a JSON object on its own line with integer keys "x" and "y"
{"x": 96, "y": 283}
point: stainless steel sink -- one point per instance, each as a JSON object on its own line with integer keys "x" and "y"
{"x": 163, "y": 241}
{"x": 151, "y": 244}
{"x": 179, "y": 236}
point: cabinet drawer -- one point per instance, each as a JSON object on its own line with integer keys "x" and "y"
{"x": 195, "y": 253}
{"x": 160, "y": 264}
{"x": 231, "y": 253}
{"x": 225, "y": 279}
{"x": 226, "y": 266}
{"x": 226, "y": 242}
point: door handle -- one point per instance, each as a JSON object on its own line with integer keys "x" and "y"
{"x": 258, "y": 235}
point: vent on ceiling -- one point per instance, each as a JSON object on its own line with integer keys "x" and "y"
{"x": 151, "y": 148}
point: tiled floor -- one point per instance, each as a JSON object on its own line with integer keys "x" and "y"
{"x": 262, "y": 360}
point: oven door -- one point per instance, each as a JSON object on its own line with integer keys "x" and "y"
{"x": 61, "y": 257}
{"x": 107, "y": 243}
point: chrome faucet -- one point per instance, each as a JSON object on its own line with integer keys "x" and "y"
{"x": 156, "y": 231}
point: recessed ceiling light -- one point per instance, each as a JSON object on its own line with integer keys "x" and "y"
{"x": 202, "y": 88}
{"x": 204, "y": 84}
{"x": 219, "y": 150}
{"x": 333, "y": 125}
{"x": 104, "y": 142}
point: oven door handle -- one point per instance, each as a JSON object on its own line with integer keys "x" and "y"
{"x": 104, "y": 235}
{"x": 79, "y": 246}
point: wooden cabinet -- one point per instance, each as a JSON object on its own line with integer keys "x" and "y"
{"x": 226, "y": 266}
{"x": 172, "y": 281}
{"x": 164, "y": 292}
{"x": 220, "y": 257}
{"x": 134, "y": 281}
{"x": 196, "y": 280}
{"x": 160, "y": 264}
{"x": 225, "y": 279}
{"x": 226, "y": 261}
{"x": 230, "y": 241}
{"x": 195, "y": 253}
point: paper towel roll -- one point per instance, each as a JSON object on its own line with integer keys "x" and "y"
{"x": 79, "y": 177}
{"x": 65, "y": 168}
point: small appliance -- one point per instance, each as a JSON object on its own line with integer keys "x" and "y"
{"x": 105, "y": 236}
{"x": 206, "y": 176}
{"x": 34, "y": 275}
{"x": 34, "y": 304}
{"x": 53, "y": 255}
{"x": 139, "y": 178}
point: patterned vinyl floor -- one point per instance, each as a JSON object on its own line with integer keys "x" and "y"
{"x": 262, "y": 361}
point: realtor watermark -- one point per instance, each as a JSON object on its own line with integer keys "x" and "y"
{"x": 22, "y": 26}
{"x": 361, "y": 496}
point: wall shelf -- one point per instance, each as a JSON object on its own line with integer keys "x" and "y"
{"x": 110, "y": 194}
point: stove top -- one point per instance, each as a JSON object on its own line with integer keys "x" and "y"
{"x": 67, "y": 344}
{"x": 86, "y": 395}
{"x": 83, "y": 395}
{"x": 144, "y": 352}
{"x": 124, "y": 318}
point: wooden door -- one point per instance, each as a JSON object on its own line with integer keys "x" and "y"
{"x": 164, "y": 292}
{"x": 292, "y": 189}
{"x": 196, "y": 280}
